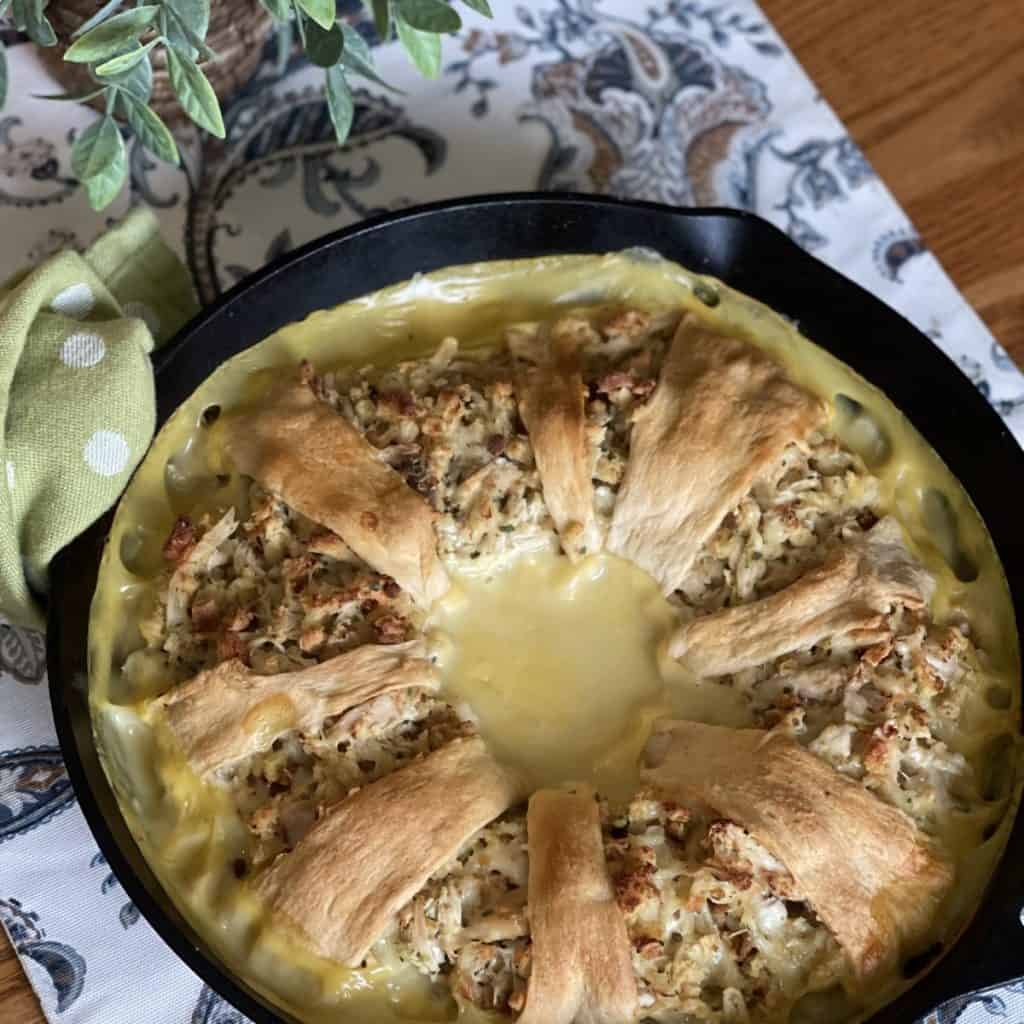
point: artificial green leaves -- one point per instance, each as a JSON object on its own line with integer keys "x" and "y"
{"x": 99, "y": 160}
{"x": 117, "y": 42}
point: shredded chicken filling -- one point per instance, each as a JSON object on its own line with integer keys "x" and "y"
{"x": 814, "y": 498}
{"x": 450, "y": 426}
{"x": 275, "y": 590}
{"x": 469, "y": 923}
{"x": 621, "y": 359}
{"x": 886, "y": 714}
{"x": 719, "y": 930}
{"x": 281, "y": 792}
{"x": 888, "y": 717}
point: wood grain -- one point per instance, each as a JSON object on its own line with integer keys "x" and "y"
{"x": 933, "y": 92}
{"x": 18, "y": 1003}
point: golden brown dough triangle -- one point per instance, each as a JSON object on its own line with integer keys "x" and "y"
{"x": 222, "y": 715}
{"x": 581, "y": 970}
{"x": 551, "y": 404}
{"x": 850, "y": 593}
{"x": 373, "y": 851}
{"x": 722, "y": 413}
{"x": 300, "y": 449}
{"x": 863, "y": 866}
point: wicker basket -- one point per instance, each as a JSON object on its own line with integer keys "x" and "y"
{"x": 238, "y": 30}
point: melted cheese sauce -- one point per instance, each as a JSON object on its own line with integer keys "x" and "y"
{"x": 563, "y": 665}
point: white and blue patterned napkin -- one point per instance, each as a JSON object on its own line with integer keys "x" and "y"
{"x": 683, "y": 101}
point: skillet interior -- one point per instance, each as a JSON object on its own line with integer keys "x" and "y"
{"x": 746, "y": 253}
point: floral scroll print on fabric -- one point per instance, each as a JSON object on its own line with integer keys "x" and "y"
{"x": 33, "y": 788}
{"x": 976, "y": 371}
{"x": 22, "y": 654}
{"x": 129, "y": 913}
{"x": 211, "y": 1009}
{"x": 280, "y": 143}
{"x": 1006, "y": 1003}
{"x": 58, "y": 970}
{"x": 822, "y": 172}
{"x": 30, "y": 171}
{"x": 635, "y": 109}
{"x": 894, "y": 249}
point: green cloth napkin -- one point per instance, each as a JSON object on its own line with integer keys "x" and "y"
{"x": 77, "y": 403}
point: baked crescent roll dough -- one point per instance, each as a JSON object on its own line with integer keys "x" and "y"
{"x": 229, "y": 712}
{"x": 551, "y": 404}
{"x": 581, "y": 970}
{"x": 303, "y": 451}
{"x": 850, "y": 593}
{"x": 373, "y": 851}
{"x": 863, "y": 866}
{"x": 722, "y": 413}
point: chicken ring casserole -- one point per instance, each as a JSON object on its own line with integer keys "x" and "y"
{"x": 611, "y": 656}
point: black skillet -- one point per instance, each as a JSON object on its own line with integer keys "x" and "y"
{"x": 741, "y": 249}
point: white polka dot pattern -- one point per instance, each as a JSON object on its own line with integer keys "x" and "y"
{"x": 82, "y": 349}
{"x": 146, "y": 313}
{"x": 106, "y": 452}
{"x": 76, "y": 300}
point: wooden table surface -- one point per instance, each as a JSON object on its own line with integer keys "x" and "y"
{"x": 933, "y": 91}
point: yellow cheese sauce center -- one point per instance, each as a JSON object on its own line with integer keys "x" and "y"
{"x": 563, "y": 665}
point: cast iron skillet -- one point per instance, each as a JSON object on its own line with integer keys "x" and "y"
{"x": 747, "y": 253}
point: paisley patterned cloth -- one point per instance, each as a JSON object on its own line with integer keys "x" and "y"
{"x": 683, "y": 101}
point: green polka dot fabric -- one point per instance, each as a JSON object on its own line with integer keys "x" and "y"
{"x": 77, "y": 403}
